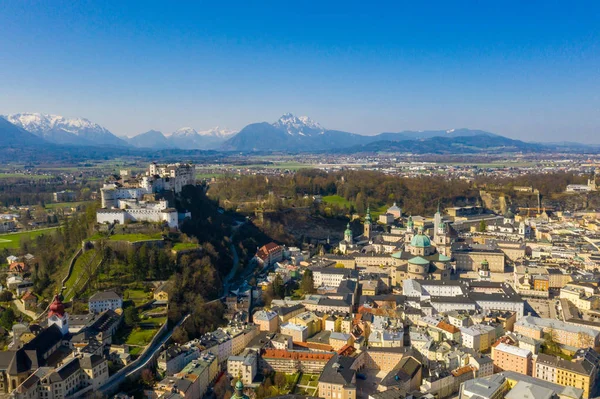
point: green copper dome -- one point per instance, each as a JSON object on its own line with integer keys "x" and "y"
{"x": 348, "y": 231}
{"x": 418, "y": 260}
{"x": 420, "y": 241}
{"x": 444, "y": 258}
{"x": 239, "y": 391}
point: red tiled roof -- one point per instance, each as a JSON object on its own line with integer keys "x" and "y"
{"x": 271, "y": 247}
{"x": 18, "y": 267}
{"x": 448, "y": 327}
{"x": 346, "y": 350}
{"x": 284, "y": 354}
{"x": 503, "y": 340}
{"x": 462, "y": 370}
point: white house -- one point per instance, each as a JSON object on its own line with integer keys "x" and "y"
{"x": 101, "y": 301}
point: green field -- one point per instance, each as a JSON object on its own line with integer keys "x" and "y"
{"x": 376, "y": 212}
{"x": 21, "y": 176}
{"x": 155, "y": 321}
{"x": 209, "y": 175}
{"x": 337, "y": 200}
{"x": 182, "y": 246}
{"x": 75, "y": 283}
{"x": 138, "y": 297}
{"x": 13, "y": 240}
{"x": 309, "y": 379}
{"x": 141, "y": 337}
{"x": 57, "y": 205}
{"x": 134, "y": 237}
{"x": 135, "y": 351}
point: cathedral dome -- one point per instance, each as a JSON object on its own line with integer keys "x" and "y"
{"x": 420, "y": 241}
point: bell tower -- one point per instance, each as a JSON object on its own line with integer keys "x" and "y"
{"x": 58, "y": 316}
{"x": 367, "y": 226}
{"x": 348, "y": 234}
{"x": 592, "y": 181}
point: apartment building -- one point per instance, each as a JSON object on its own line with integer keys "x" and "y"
{"x": 244, "y": 366}
{"x": 512, "y": 358}
{"x": 562, "y": 333}
{"x": 266, "y": 320}
{"x": 286, "y": 361}
{"x": 332, "y": 276}
{"x": 338, "y": 379}
{"x": 580, "y": 373}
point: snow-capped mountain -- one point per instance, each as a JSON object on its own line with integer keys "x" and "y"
{"x": 218, "y": 132}
{"x": 184, "y": 132}
{"x": 298, "y": 125}
{"x": 12, "y": 136}
{"x": 292, "y": 133}
{"x": 61, "y": 130}
{"x": 190, "y": 138}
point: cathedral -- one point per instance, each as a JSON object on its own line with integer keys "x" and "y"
{"x": 421, "y": 260}
{"x": 410, "y": 252}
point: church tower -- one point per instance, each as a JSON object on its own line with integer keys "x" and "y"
{"x": 437, "y": 223}
{"x": 592, "y": 181}
{"x": 348, "y": 234}
{"x": 484, "y": 271}
{"x": 367, "y": 226}
{"x": 58, "y": 316}
{"x": 410, "y": 225}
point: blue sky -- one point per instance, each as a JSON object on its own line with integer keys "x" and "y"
{"x": 528, "y": 70}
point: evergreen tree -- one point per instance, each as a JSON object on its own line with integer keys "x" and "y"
{"x": 307, "y": 285}
{"x": 278, "y": 287}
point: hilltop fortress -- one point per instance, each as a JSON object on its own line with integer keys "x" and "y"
{"x": 133, "y": 198}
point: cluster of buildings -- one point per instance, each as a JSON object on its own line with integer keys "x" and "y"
{"x": 418, "y": 307}
{"x": 140, "y": 198}
{"x": 190, "y": 369}
{"x": 64, "y": 356}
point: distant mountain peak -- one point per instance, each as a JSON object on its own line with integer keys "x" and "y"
{"x": 298, "y": 125}
{"x": 46, "y": 122}
{"x": 184, "y": 132}
{"x": 217, "y": 132}
{"x": 63, "y": 130}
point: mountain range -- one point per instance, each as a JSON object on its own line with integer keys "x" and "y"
{"x": 60, "y": 130}
{"x": 289, "y": 133}
{"x": 66, "y": 131}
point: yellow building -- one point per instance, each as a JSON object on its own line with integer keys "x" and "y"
{"x": 310, "y": 320}
{"x": 582, "y": 296}
{"x": 161, "y": 294}
{"x": 339, "y": 340}
{"x": 579, "y": 373}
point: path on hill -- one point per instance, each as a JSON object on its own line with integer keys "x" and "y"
{"x": 21, "y": 308}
